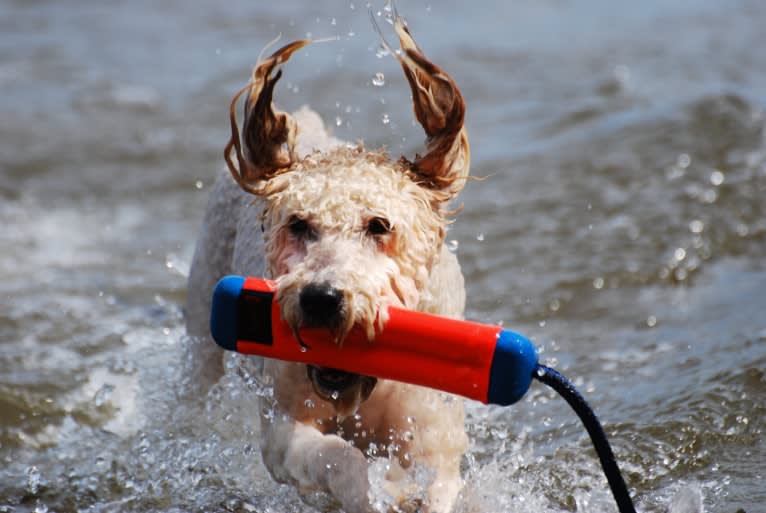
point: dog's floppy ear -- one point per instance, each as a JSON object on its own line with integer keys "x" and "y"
{"x": 440, "y": 109}
{"x": 268, "y": 135}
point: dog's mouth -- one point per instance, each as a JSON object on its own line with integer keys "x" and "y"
{"x": 328, "y": 383}
{"x": 345, "y": 390}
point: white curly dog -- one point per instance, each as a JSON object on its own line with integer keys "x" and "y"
{"x": 345, "y": 232}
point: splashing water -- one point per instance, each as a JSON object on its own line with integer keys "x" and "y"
{"x": 379, "y": 80}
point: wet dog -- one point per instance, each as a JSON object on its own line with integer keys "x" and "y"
{"x": 345, "y": 232}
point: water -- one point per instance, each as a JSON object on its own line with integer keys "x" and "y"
{"x": 620, "y": 221}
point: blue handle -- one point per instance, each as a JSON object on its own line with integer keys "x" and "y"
{"x": 513, "y": 363}
{"x": 224, "y": 314}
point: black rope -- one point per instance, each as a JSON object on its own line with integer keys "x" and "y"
{"x": 566, "y": 389}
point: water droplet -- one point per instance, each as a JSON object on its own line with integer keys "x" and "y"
{"x": 480, "y": 237}
{"x": 333, "y": 22}
{"x": 554, "y": 305}
{"x": 696, "y": 226}
{"x": 338, "y": 121}
{"x": 540, "y": 372}
{"x": 541, "y": 324}
{"x": 308, "y": 403}
{"x": 407, "y": 436}
{"x": 199, "y": 184}
{"x": 716, "y": 178}
{"x": 683, "y": 160}
{"x": 651, "y": 321}
{"x": 743, "y": 230}
{"x": 381, "y": 52}
{"x": 335, "y": 394}
{"x": 410, "y": 419}
{"x": 710, "y": 196}
{"x": 304, "y": 349}
{"x": 679, "y": 254}
{"x": 452, "y": 245}
{"x": 379, "y": 80}
{"x": 385, "y": 119}
{"x": 598, "y": 283}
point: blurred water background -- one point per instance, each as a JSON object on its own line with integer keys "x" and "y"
{"x": 621, "y": 223}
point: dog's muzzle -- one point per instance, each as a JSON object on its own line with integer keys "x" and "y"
{"x": 340, "y": 387}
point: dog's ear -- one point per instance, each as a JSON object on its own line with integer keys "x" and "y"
{"x": 268, "y": 135}
{"x": 440, "y": 109}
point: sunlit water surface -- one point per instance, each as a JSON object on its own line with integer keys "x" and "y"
{"x": 620, "y": 223}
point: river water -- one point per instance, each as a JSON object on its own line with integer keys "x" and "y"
{"x": 620, "y": 222}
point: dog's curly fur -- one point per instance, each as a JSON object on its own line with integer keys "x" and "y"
{"x": 361, "y": 232}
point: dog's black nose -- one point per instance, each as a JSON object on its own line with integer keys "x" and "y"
{"x": 321, "y": 304}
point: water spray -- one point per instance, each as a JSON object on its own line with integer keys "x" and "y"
{"x": 479, "y": 361}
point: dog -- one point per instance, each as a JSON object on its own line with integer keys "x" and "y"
{"x": 345, "y": 232}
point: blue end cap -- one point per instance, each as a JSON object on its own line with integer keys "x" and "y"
{"x": 513, "y": 363}
{"x": 223, "y": 312}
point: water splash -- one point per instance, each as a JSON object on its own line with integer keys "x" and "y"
{"x": 392, "y": 487}
{"x": 103, "y": 395}
{"x": 34, "y": 479}
{"x": 687, "y": 500}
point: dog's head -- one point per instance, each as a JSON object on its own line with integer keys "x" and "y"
{"x": 349, "y": 232}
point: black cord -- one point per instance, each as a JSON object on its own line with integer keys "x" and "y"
{"x": 566, "y": 389}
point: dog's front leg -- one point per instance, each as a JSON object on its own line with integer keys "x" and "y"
{"x": 295, "y": 452}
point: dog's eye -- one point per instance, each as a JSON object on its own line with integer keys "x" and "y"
{"x": 299, "y": 227}
{"x": 378, "y": 226}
